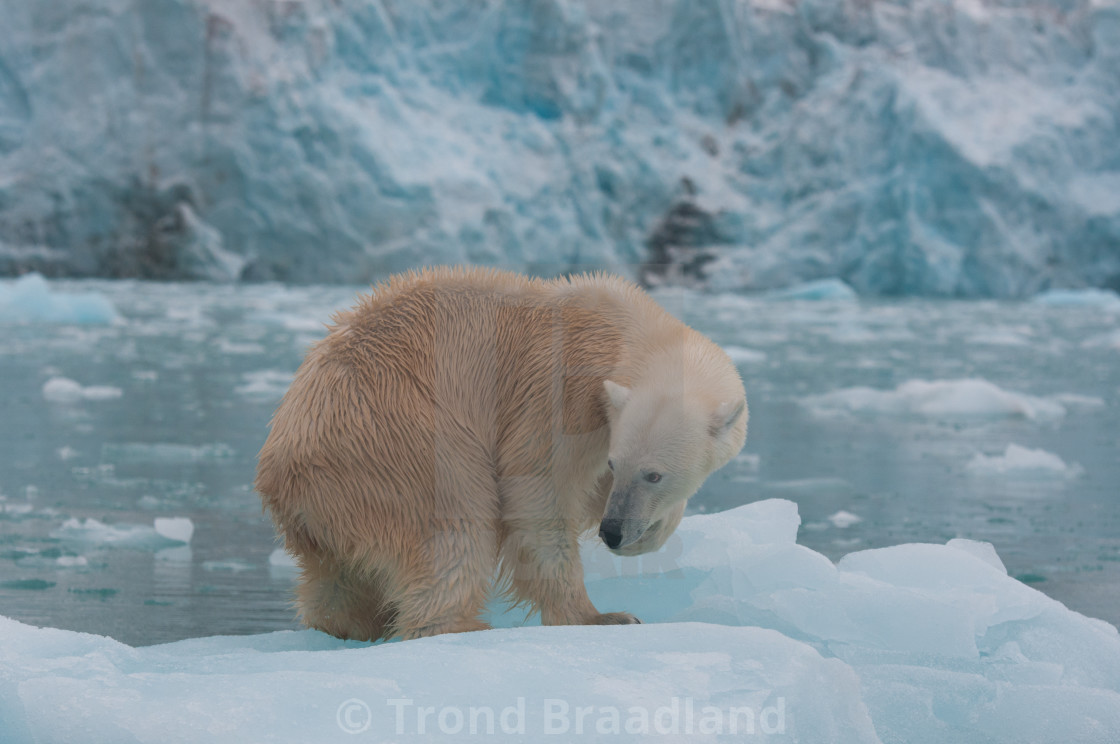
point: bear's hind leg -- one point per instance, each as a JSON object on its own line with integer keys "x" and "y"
{"x": 445, "y": 583}
{"x": 346, "y": 603}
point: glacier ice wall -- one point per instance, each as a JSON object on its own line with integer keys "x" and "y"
{"x": 943, "y": 147}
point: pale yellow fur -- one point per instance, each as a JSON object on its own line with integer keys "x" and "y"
{"x": 454, "y": 426}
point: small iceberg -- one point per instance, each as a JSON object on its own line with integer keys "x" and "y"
{"x": 65, "y": 390}
{"x": 968, "y": 400}
{"x": 30, "y": 299}
{"x": 1022, "y": 462}
{"x": 165, "y": 531}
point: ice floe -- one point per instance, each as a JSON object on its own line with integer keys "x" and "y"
{"x": 917, "y": 643}
{"x": 31, "y": 299}
{"x": 65, "y": 390}
{"x": 946, "y": 400}
{"x": 164, "y": 532}
{"x": 1023, "y": 462}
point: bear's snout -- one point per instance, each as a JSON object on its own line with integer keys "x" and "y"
{"x": 610, "y": 532}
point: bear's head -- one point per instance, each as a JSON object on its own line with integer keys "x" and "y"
{"x": 668, "y": 433}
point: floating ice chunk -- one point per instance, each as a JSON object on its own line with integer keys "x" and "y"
{"x": 50, "y": 558}
{"x": 101, "y": 392}
{"x": 748, "y": 461}
{"x": 998, "y": 338}
{"x": 164, "y": 452}
{"x": 1017, "y": 461}
{"x": 297, "y": 322}
{"x": 177, "y": 529}
{"x": 822, "y": 289}
{"x": 1104, "y": 299}
{"x": 95, "y": 532}
{"x": 233, "y": 566}
{"x": 137, "y": 536}
{"x": 742, "y": 355}
{"x": 149, "y": 502}
{"x": 236, "y": 347}
{"x": 65, "y": 390}
{"x": 25, "y": 510}
{"x": 946, "y": 400}
{"x": 62, "y": 390}
{"x": 1074, "y": 400}
{"x": 16, "y": 509}
{"x": 30, "y": 300}
{"x": 268, "y": 384}
{"x": 281, "y": 558}
{"x": 843, "y": 519}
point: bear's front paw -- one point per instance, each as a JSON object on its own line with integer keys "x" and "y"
{"x": 616, "y": 618}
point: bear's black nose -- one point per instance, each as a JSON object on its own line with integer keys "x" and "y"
{"x": 610, "y": 532}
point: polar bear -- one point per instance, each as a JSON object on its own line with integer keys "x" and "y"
{"x": 461, "y": 425}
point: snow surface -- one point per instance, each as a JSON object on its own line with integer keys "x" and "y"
{"x": 915, "y": 643}
{"x": 968, "y": 400}
{"x": 30, "y": 299}
{"x": 951, "y": 148}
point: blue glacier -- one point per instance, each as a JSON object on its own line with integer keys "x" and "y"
{"x": 946, "y": 148}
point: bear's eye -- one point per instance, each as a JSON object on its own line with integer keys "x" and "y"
{"x": 610, "y": 464}
{"x": 653, "y": 477}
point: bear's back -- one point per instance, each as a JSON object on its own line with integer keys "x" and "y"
{"x": 493, "y": 356}
{"x": 463, "y": 334}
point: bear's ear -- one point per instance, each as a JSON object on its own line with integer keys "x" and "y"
{"x": 725, "y": 416}
{"x": 616, "y": 394}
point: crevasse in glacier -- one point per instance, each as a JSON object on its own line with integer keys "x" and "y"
{"x": 945, "y": 148}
